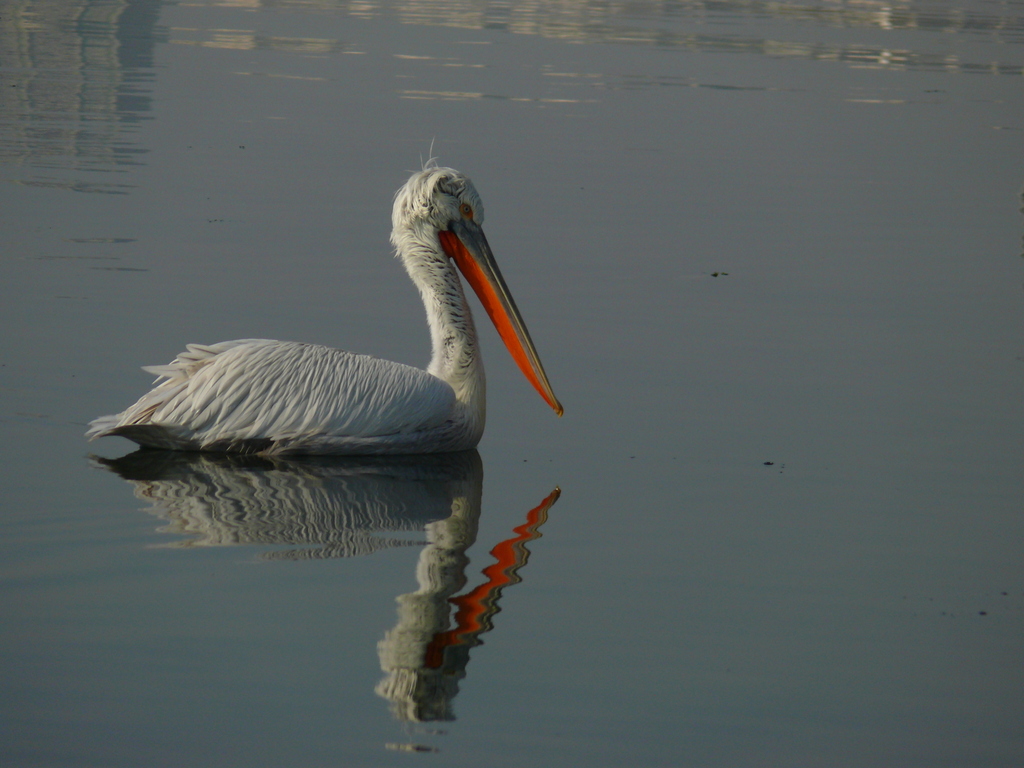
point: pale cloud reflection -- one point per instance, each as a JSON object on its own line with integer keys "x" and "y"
{"x": 708, "y": 25}
{"x": 75, "y": 85}
{"x": 247, "y": 40}
{"x": 474, "y": 96}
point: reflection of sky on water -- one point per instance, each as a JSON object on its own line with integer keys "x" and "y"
{"x": 78, "y": 74}
{"x": 676, "y": 25}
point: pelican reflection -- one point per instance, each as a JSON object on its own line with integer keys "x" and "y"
{"x": 317, "y": 507}
{"x": 423, "y": 656}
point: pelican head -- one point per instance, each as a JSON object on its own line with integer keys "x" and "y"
{"x": 434, "y": 198}
{"x": 436, "y": 221}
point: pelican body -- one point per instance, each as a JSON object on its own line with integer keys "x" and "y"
{"x": 277, "y": 397}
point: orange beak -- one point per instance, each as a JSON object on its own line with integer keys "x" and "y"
{"x": 466, "y": 245}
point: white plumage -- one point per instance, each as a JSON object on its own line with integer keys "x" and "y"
{"x": 273, "y": 397}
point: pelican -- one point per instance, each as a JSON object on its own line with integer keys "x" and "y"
{"x": 279, "y": 397}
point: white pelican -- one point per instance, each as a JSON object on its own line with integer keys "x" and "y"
{"x": 274, "y": 397}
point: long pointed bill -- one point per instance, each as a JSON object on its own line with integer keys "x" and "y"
{"x": 466, "y": 245}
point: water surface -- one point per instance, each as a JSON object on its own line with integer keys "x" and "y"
{"x": 771, "y": 256}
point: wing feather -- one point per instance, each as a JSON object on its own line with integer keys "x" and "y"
{"x": 258, "y": 389}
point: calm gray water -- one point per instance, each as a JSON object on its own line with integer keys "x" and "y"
{"x": 771, "y": 256}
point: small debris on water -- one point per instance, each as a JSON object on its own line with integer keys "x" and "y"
{"x": 411, "y": 748}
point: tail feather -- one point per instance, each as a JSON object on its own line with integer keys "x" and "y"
{"x": 103, "y": 426}
{"x": 134, "y": 422}
{"x": 162, "y": 371}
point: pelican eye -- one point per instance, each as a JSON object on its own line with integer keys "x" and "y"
{"x": 466, "y": 210}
